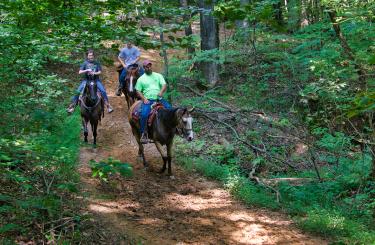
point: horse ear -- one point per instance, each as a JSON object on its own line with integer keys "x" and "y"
{"x": 180, "y": 111}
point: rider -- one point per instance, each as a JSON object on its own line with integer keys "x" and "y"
{"x": 150, "y": 87}
{"x": 92, "y": 69}
{"x": 128, "y": 57}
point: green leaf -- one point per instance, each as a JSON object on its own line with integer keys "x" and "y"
{"x": 9, "y": 227}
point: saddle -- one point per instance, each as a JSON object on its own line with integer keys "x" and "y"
{"x": 151, "y": 117}
{"x": 154, "y": 111}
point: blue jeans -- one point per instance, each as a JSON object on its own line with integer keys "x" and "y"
{"x": 146, "y": 109}
{"x": 124, "y": 72}
{"x": 82, "y": 86}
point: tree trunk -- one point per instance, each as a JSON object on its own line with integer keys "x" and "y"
{"x": 278, "y": 13}
{"x": 188, "y": 29}
{"x": 242, "y": 23}
{"x": 304, "y": 20}
{"x": 209, "y": 39}
{"x": 347, "y": 50}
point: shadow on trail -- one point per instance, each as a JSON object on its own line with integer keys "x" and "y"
{"x": 158, "y": 210}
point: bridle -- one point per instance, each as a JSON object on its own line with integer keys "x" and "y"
{"x": 183, "y": 131}
{"x": 90, "y": 108}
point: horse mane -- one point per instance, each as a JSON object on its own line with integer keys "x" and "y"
{"x": 86, "y": 95}
{"x": 168, "y": 116}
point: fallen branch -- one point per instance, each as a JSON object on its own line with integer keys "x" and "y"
{"x": 292, "y": 181}
{"x": 214, "y": 100}
{"x": 255, "y": 148}
{"x": 258, "y": 180}
{"x": 235, "y": 133}
{"x": 58, "y": 226}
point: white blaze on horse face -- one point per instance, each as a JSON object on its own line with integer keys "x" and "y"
{"x": 131, "y": 84}
{"x": 189, "y": 128}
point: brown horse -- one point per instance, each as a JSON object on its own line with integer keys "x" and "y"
{"x": 130, "y": 82}
{"x": 92, "y": 108}
{"x": 166, "y": 124}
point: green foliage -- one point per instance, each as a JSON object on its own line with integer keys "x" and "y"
{"x": 303, "y": 78}
{"x": 105, "y": 169}
{"x": 332, "y": 223}
{"x": 38, "y": 174}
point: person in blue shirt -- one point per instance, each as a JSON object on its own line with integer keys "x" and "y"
{"x": 129, "y": 56}
{"x": 91, "y": 70}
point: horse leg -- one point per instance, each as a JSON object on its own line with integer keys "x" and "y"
{"x": 85, "y": 130}
{"x": 141, "y": 152}
{"x": 165, "y": 158}
{"x": 169, "y": 158}
{"x": 94, "y": 127}
{"x": 127, "y": 99}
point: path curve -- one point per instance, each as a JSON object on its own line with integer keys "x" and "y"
{"x": 154, "y": 209}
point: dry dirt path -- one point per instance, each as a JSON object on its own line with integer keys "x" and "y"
{"x": 152, "y": 209}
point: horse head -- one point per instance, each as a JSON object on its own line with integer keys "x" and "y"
{"x": 91, "y": 90}
{"x": 185, "y": 123}
{"x": 131, "y": 78}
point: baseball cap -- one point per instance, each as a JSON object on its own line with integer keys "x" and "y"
{"x": 146, "y": 62}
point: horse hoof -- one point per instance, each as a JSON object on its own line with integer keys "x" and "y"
{"x": 161, "y": 170}
{"x": 172, "y": 177}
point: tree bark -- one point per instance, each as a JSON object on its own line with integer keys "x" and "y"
{"x": 188, "y": 29}
{"x": 347, "y": 50}
{"x": 209, "y": 39}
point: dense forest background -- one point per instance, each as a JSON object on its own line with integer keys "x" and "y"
{"x": 284, "y": 93}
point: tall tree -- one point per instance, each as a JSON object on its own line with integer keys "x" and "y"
{"x": 188, "y": 30}
{"x": 209, "y": 39}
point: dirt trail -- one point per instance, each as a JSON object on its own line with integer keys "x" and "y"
{"x": 154, "y": 209}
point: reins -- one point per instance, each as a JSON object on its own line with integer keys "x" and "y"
{"x": 89, "y": 107}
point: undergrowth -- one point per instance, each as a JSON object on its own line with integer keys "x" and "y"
{"x": 38, "y": 178}
{"x": 300, "y": 118}
{"x": 315, "y": 207}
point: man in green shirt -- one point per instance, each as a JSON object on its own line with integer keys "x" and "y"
{"x": 150, "y": 87}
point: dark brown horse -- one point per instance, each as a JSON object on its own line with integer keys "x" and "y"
{"x": 130, "y": 82}
{"x": 166, "y": 124}
{"x": 92, "y": 108}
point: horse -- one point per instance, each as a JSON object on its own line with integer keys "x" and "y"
{"x": 130, "y": 81}
{"x": 166, "y": 124}
{"x": 92, "y": 108}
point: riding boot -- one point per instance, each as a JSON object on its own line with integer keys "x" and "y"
{"x": 119, "y": 90}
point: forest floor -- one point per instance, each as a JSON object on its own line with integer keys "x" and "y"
{"x": 151, "y": 208}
